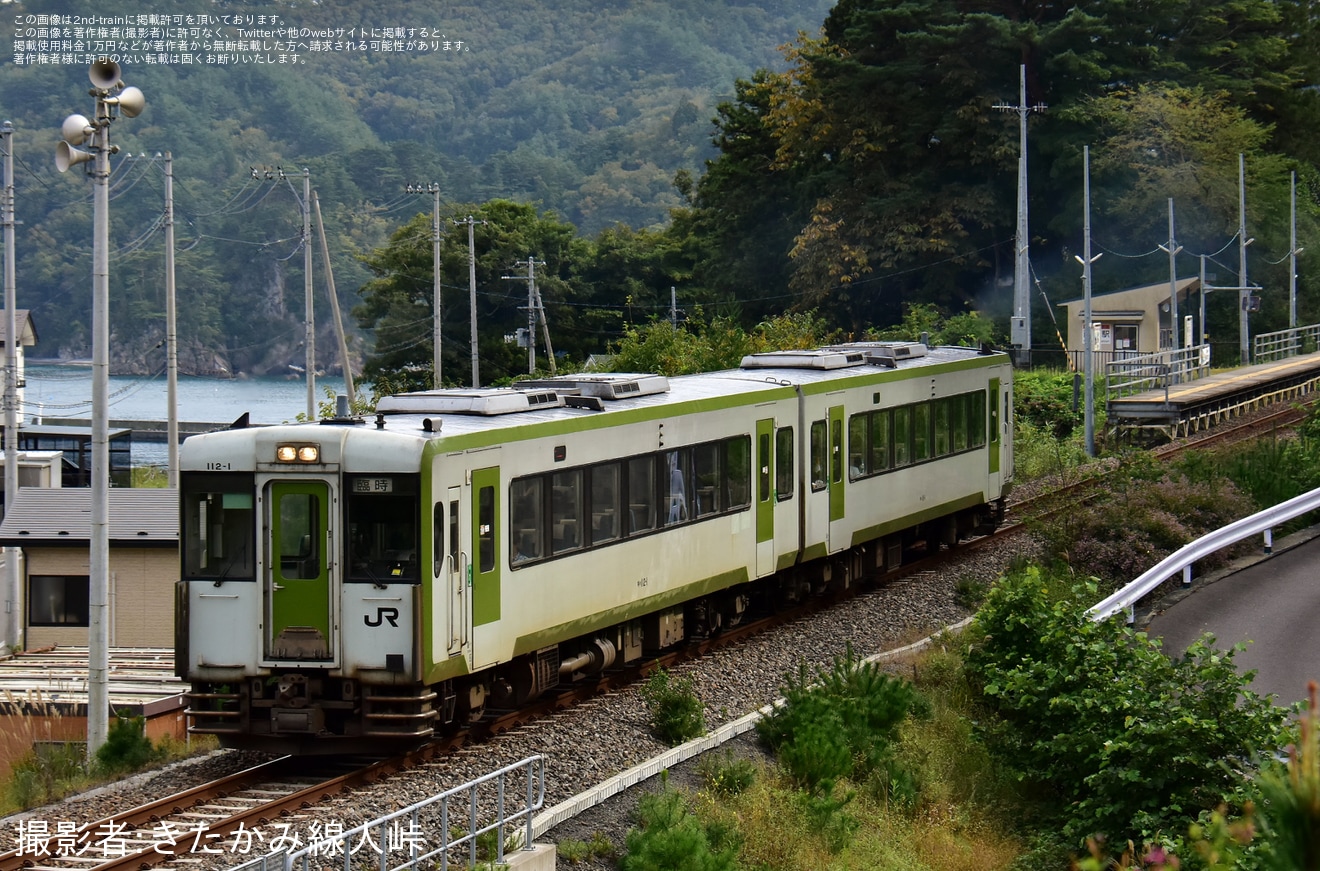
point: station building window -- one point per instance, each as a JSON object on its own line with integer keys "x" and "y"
{"x": 59, "y": 600}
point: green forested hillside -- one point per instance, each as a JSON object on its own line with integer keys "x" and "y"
{"x": 583, "y": 109}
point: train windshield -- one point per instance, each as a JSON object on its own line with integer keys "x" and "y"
{"x": 383, "y": 518}
{"x": 219, "y": 527}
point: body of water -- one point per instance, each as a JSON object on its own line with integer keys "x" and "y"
{"x": 56, "y": 394}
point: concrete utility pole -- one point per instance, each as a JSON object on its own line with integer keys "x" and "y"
{"x": 1173, "y": 248}
{"x": 533, "y": 302}
{"x": 1244, "y": 290}
{"x": 310, "y": 328}
{"x": 171, "y": 332}
{"x": 472, "y": 295}
{"x": 1293, "y": 251}
{"x": 13, "y": 627}
{"x": 334, "y": 306}
{"x": 1088, "y": 341}
{"x": 434, "y": 190}
{"x": 112, "y": 98}
{"x": 1020, "y": 327}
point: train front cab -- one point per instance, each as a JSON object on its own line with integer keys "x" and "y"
{"x": 298, "y": 602}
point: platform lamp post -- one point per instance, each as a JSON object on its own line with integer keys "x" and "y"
{"x": 112, "y": 99}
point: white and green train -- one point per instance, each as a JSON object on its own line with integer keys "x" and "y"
{"x": 349, "y": 582}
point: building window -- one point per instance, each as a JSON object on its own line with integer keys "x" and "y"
{"x": 58, "y": 600}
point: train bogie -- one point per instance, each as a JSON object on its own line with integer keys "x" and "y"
{"x": 352, "y": 581}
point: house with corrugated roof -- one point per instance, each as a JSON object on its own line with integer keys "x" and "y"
{"x": 53, "y": 528}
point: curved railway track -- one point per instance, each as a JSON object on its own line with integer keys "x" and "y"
{"x": 204, "y": 817}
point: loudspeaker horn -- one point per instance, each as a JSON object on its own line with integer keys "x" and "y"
{"x": 131, "y": 102}
{"x": 104, "y": 74}
{"x": 75, "y": 129}
{"x": 66, "y": 156}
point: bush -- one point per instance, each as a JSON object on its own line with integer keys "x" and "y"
{"x": 126, "y": 748}
{"x": 672, "y": 839}
{"x": 725, "y": 776}
{"x": 676, "y": 712}
{"x": 1134, "y": 742}
{"x": 842, "y": 725}
{"x": 1146, "y": 514}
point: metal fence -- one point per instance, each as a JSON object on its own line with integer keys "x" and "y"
{"x": 439, "y": 832}
{"x": 1267, "y": 347}
{"x": 1156, "y": 371}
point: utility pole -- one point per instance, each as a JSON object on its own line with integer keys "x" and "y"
{"x": 1244, "y": 290}
{"x": 434, "y": 190}
{"x": 1020, "y": 327}
{"x": 472, "y": 296}
{"x": 171, "y": 331}
{"x": 1293, "y": 251}
{"x": 112, "y": 99}
{"x": 1088, "y": 341}
{"x": 334, "y": 306}
{"x": 533, "y": 301}
{"x": 1173, "y": 248}
{"x": 310, "y": 329}
{"x": 673, "y": 307}
{"x": 13, "y": 637}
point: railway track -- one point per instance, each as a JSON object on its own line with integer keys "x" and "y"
{"x": 213, "y": 817}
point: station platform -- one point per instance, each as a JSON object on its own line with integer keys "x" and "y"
{"x": 1180, "y": 406}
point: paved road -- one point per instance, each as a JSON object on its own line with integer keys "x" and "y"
{"x": 1273, "y": 607}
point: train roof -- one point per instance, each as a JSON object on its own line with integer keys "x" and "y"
{"x": 456, "y": 411}
{"x": 457, "y": 419}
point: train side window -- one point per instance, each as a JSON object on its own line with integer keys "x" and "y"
{"x": 958, "y": 423}
{"x": 836, "y": 451}
{"x": 566, "y": 526}
{"x": 879, "y": 442}
{"x": 976, "y": 420}
{"x": 902, "y": 436}
{"x": 857, "y": 453}
{"x": 605, "y": 491}
{"x": 920, "y": 432}
{"x": 641, "y": 494}
{"x": 943, "y": 413}
{"x": 818, "y": 480}
{"x": 784, "y": 463}
{"x": 738, "y": 471}
{"x": 486, "y": 529}
{"x": 675, "y": 467}
{"x": 708, "y": 496}
{"x": 526, "y": 519}
{"x": 219, "y": 528}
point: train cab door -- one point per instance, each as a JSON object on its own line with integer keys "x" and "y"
{"x": 454, "y": 574}
{"x": 765, "y": 497}
{"x": 300, "y": 608}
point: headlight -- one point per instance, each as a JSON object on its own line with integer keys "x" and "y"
{"x": 298, "y": 453}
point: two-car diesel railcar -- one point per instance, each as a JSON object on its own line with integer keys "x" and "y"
{"x": 348, "y": 581}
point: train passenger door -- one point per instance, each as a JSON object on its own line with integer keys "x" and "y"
{"x": 839, "y": 536}
{"x": 765, "y": 497}
{"x": 300, "y": 618}
{"x": 993, "y": 404}
{"x": 484, "y": 563}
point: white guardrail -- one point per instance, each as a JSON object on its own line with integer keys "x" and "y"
{"x": 1183, "y": 559}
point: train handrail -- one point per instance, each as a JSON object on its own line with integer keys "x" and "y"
{"x": 1185, "y": 557}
